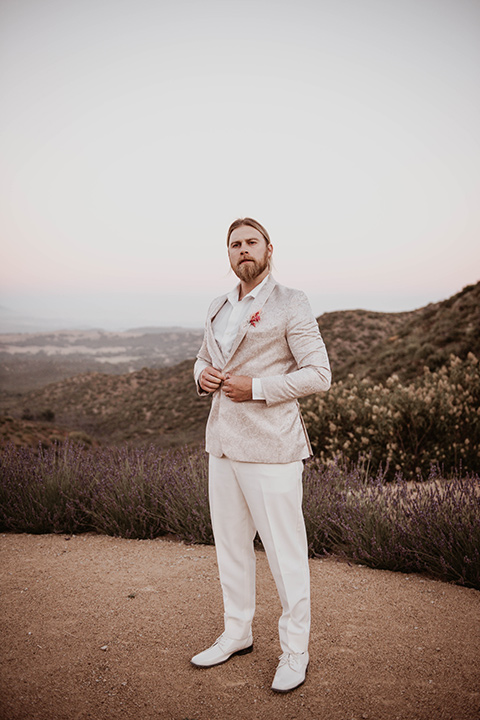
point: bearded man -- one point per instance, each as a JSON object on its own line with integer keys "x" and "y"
{"x": 261, "y": 351}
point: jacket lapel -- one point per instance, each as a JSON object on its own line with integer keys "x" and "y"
{"x": 257, "y": 305}
{"x": 215, "y": 351}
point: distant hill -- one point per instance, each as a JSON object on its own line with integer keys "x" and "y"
{"x": 14, "y": 322}
{"x": 160, "y": 405}
{"x": 377, "y": 345}
{"x": 32, "y": 360}
{"x": 350, "y": 336}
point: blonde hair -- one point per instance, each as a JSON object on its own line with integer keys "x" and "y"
{"x": 250, "y": 222}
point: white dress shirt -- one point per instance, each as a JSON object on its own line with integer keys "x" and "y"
{"x": 226, "y": 325}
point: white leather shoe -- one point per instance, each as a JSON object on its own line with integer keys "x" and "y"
{"x": 291, "y": 672}
{"x": 222, "y": 650}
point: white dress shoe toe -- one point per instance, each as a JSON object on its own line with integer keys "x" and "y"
{"x": 222, "y": 650}
{"x": 291, "y": 672}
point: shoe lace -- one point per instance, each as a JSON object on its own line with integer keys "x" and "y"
{"x": 221, "y": 641}
{"x": 293, "y": 660}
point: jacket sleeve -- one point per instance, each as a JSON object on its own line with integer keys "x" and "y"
{"x": 310, "y": 355}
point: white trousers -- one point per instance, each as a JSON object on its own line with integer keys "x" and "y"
{"x": 249, "y": 497}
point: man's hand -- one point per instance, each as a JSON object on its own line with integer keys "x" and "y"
{"x": 238, "y": 387}
{"x": 210, "y": 379}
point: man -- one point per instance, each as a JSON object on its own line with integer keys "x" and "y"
{"x": 261, "y": 351}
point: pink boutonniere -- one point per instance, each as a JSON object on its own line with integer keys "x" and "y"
{"x": 254, "y": 319}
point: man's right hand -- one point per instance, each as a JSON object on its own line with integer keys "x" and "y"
{"x": 210, "y": 379}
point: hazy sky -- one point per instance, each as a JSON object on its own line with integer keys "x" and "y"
{"x": 132, "y": 132}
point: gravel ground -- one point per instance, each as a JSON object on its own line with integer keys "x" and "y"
{"x": 104, "y": 628}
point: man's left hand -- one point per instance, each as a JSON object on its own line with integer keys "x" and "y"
{"x": 238, "y": 387}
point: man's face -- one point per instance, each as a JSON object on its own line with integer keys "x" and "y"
{"x": 248, "y": 253}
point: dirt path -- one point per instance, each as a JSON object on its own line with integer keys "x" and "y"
{"x": 102, "y": 628}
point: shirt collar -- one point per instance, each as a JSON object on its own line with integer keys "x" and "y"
{"x": 232, "y": 296}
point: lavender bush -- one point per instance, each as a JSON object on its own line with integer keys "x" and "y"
{"x": 46, "y": 491}
{"x": 125, "y": 492}
{"x": 125, "y": 497}
{"x": 431, "y": 527}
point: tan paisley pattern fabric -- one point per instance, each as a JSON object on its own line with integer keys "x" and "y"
{"x": 284, "y": 348}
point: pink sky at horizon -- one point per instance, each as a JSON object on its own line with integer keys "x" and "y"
{"x": 133, "y": 135}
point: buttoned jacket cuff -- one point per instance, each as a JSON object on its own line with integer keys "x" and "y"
{"x": 257, "y": 390}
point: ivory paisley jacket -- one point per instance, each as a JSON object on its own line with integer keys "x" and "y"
{"x": 280, "y": 343}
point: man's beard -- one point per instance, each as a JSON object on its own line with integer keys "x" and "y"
{"x": 248, "y": 271}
